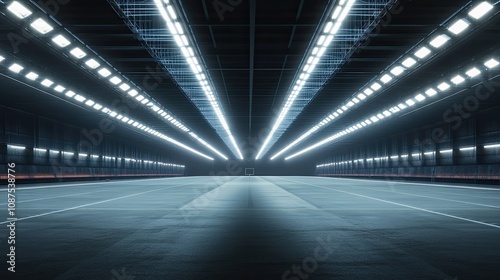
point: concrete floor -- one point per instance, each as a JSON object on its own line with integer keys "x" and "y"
{"x": 254, "y": 228}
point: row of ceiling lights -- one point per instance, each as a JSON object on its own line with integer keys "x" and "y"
{"x": 415, "y": 56}
{"x": 430, "y": 93}
{"x": 97, "y": 67}
{"x": 41, "y": 150}
{"x": 175, "y": 26}
{"x": 330, "y": 29}
{"x": 430, "y": 153}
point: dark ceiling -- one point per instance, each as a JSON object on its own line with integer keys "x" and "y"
{"x": 251, "y": 80}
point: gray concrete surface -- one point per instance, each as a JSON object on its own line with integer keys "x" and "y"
{"x": 254, "y": 228}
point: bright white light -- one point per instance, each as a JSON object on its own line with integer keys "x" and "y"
{"x": 61, "y": 41}
{"x": 467, "y": 148}
{"x": 409, "y": 62}
{"x": 139, "y": 98}
{"x": 398, "y": 70}
{"x": 431, "y": 92}
{"x": 473, "y": 72}
{"x": 104, "y": 72}
{"x": 446, "y": 151}
{"x": 480, "y": 10}
{"x": 17, "y": 147}
{"x": 368, "y": 91}
{"x": 124, "y": 87}
{"x": 32, "y": 76}
{"x": 78, "y": 53}
{"x": 410, "y": 102}
{"x": 386, "y": 78}
{"x": 47, "y": 83}
{"x": 458, "y": 80}
{"x": 361, "y": 96}
{"x": 19, "y": 10}
{"x": 429, "y": 153}
{"x": 70, "y": 93}
{"x": 89, "y": 103}
{"x": 80, "y": 98}
{"x": 97, "y": 106}
{"x": 443, "y": 86}
{"x": 492, "y": 146}
{"x": 439, "y": 41}
{"x": 492, "y": 63}
{"x": 92, "y": 63}
{"x": 420, "y": 98}
{"x": 459, "y": 26}
{"x": 115, "y": 80}
{"x": 376, "y": 86}
{"x": 40, "y": 150}
{"x": 422, "y": 52}
{"x": 41, "y": 26}
{"x": 16, "y": 68}
{"x": 59, "y": 88}
{"x": 133, "y": 93}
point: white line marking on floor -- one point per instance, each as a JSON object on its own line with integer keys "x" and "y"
{"x": 403, "y": 205}
{"x": 95, "y": 203}
{"x": 421, "y": 184}
{"x": 20, "y": 186}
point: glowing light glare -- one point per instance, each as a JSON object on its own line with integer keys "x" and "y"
{"x": 104, "y": 72}
{"x": 92, "y": 63}
{"x": 79, "y": 98}
{"x": 431, "y": 92}
{"x": 443, "y": 86}
{"x": 167, "y": 11}
{"x": 473, "y": 72}
{"x": 124, "y": 87}
{"x": 78, "y": 53}
{"x": 492, "y": 63}
{"x": 19, "y": 10}
{"x": 61, "y": 41}
{"x": 446, "y": 151}
{"x": 376, "y": 86}
{"x": 480, "y": 10}
{"x": 410, "y": 102}
{"x": 115, "y": 80}
{"x": 458, "y": 80}
{"x": 17, "y": 147}
{"x": 422, "y": 52}
{"x": 459, "y": 26}
{"x": 420, "y": 98}
{"x": 493, "y": 146}
{"x": 16, "y": 68}
{"x": 467, "y": 148}
{"x": 70, "y": 93}
{"x": 42, "y": 26}
{"x": 439, "y": 41}
{"x": 59, "y": 88}
{"x": 32, "y": 76}
{"x": 47, "y": 83}
{"x": 398, "y": 70}
{"x": 133, "y": 93}
{"x": 386, "y": 78}
{"x": 409, "y": 62}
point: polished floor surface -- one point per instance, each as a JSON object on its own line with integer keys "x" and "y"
{"x": 254, "y": 228}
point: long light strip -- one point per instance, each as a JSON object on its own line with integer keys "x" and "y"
{"x": 94, "y": 156}
{"x": 396, "y": 109}
{"x": 101, "y": 69}
{"x": 330, "y": 29}
{"x": 397, "y": 70}
{"x": 80, "y": 100}
{"x": 175, "y": 26}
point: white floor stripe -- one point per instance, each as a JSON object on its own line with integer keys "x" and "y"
{"x": 95, "y": 203}
{"x": 403, "y": 205}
